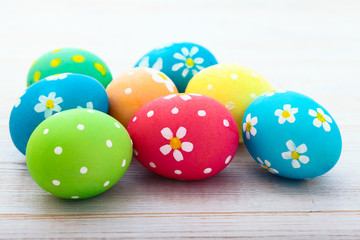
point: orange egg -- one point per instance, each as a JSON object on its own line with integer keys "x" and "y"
{"x": 133, "y": 89}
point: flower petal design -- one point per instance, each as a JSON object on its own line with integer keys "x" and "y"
{"x": 52, "y": 96}
{"x": 193, "y": 51}
{"x": 244, "y": 127}
{"x": 278, "y": 112}
{"x": 166, "y": 149}
{"x": 194, "y": 72}
{"x": 326, "y": 126}
{"x": 301, "y": 149}
{"x": 304, "y": 159}
{"x": 317, "y": 123}
{"x": 327, "y": 118}
{"x": 254, "y": 121}
{"x": 56, "y": 108}
{"x": 185, "y": 51}
{"x": 295, "y": 164}
{"x": 42, "y": 99}
{"x": 90, "y": 105}
{"x": 287, "y": 107}
{"x": 200, "y": 67}
{"x": 167, "y": 133}
{"x": 267, "y": 163}
{"x": 260, "y": 161}
{"x": 293, "y": 111}
{"x": 181, "y": 132}
{"x": 40, "y": 107}
{"x": 247, "y": 135}
{"x": 312, "y": 113}
{"x": 185, "y": 72}
{"x": 179, "y": 56}
{"x": 187, "y": 146}
{"x": 48, "y": 113}
{"x": 291, "y": 119}
{"x": 177, "y": 66}
{"x": 274, "y": 171}
{"x": 248, "y": 117}
{"x": 253, "y": 131}
{"x": 158, "y": 65}
{"x": 286, "y": 155}
{"x": 144, "y": 62}
{"x": 291, "y": 145}
{"x": 281, "y": 120}
{"x": 198, "y": 60}
{"x": 319, "y": 110}
{"x": 178, "y": 155}
{"x": 58, "y": 100}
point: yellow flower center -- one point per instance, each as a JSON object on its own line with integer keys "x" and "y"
{"x": 286, "y": 114}
{"x": 50, "y": 104}
{"x": 320, "y": 117}
{"x": 266, "y": 167}
{"x": 248, "y": 126}
{"x": 175, "y": 143}
{"x": 162, "y": 76}
{"x": 189, "y": 62}
{"x": 295, "y": 155}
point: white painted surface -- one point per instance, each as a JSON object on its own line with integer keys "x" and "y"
{"x": 309, "y": 46}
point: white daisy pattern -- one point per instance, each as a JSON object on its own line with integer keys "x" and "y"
{"x": 321, "y": 119}
{"x": 158, "y": 65}
{"x": 160, "y": 77}
{"x": 266, "y": 164}
{"x": 175, "y": 143}
{"x": 89, "y": 105}
{"x": 18, "y": 100}
{"x": 271, "y": 93}
{"x": 248, "y": 126}
{"x": 184, "y": 97}
{"x": 57, "y": 77}
{"x": 286, "y": 114}
{"x": 48, "y": 104}
{"x": 295, "y": 154}
{"x": 189, "y": 62}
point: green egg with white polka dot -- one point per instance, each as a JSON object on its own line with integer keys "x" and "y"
{"x": 69, "y": 60}
{"x": 78, "y": 153}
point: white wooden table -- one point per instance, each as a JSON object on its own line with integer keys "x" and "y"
{"x": 308, "y": 46}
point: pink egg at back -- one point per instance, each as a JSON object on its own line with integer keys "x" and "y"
{"x": 184, "y": 136}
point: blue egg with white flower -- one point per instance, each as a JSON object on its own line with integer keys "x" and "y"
{"x": 52, "y": 95}
{"x": 179, "y": 61}
{"x": 291, "y": 135}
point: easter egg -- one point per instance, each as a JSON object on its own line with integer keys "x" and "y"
{"x": 186, "y": 136}
{"x": 291, "y": 135}
{"x": 69, "y": 60}
{"x": 78, "y": 153}
{"x": 232, "y": 85}
{"x": 50, "y": 96}
{"x": 133, "y": 89}
{"x": 179, "y": 61}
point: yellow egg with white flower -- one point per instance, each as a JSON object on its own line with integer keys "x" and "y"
{"x": 232, "y": 85}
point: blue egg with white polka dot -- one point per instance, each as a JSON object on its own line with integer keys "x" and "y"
{"x": 52, "y": 95}
{"x": 179, "y": 61}
{"x": 291, "y": 135}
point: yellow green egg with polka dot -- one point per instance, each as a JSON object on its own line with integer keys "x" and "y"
{"x": 78, "y": 153}
{"x": 69, "y": 60}
{"x": 232, "y": 85}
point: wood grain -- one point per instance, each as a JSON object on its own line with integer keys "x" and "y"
{"x": 312, "y": 47}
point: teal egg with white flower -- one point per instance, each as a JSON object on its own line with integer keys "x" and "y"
{"x": 179, "y": 61}
{"x": 52, "y": 95}
{"x": 291, "y": 135}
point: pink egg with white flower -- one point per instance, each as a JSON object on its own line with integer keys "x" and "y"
{"x": 184, "y": 136}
